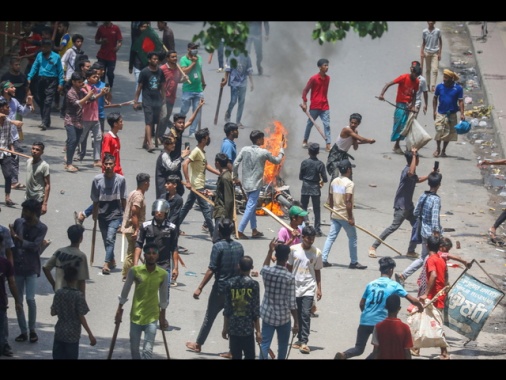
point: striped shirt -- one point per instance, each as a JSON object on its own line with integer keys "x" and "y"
{"x": 109, "y": 192}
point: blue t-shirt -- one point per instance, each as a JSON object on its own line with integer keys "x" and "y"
{"x": 101, "y": 101}
{"x": 376, "y": 294}
{"x": 448, "y": 98}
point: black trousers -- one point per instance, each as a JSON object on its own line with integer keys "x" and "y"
{"x": 46, "y": 91}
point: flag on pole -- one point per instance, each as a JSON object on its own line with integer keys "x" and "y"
{"x": 147, "y": 41}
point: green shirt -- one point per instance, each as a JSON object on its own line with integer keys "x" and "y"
{"x": 151, "y": 293}
{"x": 195, "y": 75}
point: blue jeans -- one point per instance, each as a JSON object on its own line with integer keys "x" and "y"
{"x": 64, "y": 350}
{"x": 400, "y": 215}
{"x": 351, "y": 231}
{"x": 236, "y": 94}
{"x": 149, "y": 340}
{"x": 325, "y": 118}
{"x": 26, "y": 286}
{"x": 283, "y": 332}
{"x": 205, "y": 207}
{"x": 250, "y": 211}
{"x": 108, "y": 229}
{"x": 417, "y": 264}
{"x": 193, "y": 99}
{"x": 73, "y": 136}
{"x": 363, "y": 333}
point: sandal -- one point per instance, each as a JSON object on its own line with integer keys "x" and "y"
{"x": 18, "y": 186}
{"x": 226, "y": 355}
{"x": 492, "y": 236}
{"x": 257, "y": 235}
{"x": 297, "y": 345}
{"x": 33, "y": 337}
{"x": 106, "y": 271}
{"x": 436, "y": 153}
{"x": 21, "y": 338}
{"x": 71, "y": 169}
{"x": 443, "y": 154}
{"x": 9, "y": 203}
{"x": 195, "y": 347}
{"x": 304, "y": 349}
{"x": 372, "y": 253}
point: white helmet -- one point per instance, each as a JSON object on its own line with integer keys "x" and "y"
{"x": 160, "y": 205}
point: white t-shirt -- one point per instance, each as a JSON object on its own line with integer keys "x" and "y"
{"x": 304, "y": 264}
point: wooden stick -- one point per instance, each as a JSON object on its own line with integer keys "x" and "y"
{"x": 119, "y": 104}
{"x": 363, "y": 229}
{"x": 93, "y": 239}
{"x": 165, "y": 343}
{"x": 218, "y": 106}
{"x": 123, "y": 247}
{"x": 13, "y": 152}
{"x": 203, "y": 196}
{"x": 184, "y": 75}
{"x": 235, "y": 221}
{"x": 277, "y": 219}
{"x": 314, "y": 123}
{"x": 114, "y": 336}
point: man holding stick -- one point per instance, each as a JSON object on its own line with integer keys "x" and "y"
{"x": 191, "y": 65}
{"x": 403, "y": 202}
{"x": 148, "y": 304}
{"x": 199, "y": 165}
{"x": 253, "y": 159}
{"x": 318, "y": 84}
{"x": 341, "y": 199}
{"x": 108, "y": 193}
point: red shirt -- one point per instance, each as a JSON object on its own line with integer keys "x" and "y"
{"x": 393, "y": 337}
{"x": 112, "y": 34}
{"x": 172, "y": 78}
{"x": 319, "y": 87}
{"x": 26, "y": 47}
{"x": 407, "y": 88}
{"x": 437, "y": 264}
{"x": 111, "y": 145}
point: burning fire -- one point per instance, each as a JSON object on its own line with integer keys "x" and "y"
{"x": 272, "y": 143}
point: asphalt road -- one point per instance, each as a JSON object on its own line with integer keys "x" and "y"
{"x": 359, "y": 68}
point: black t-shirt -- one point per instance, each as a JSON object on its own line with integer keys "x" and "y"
{"x": 151, "y": 82}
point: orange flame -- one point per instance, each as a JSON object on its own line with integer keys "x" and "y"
{"x": 274, "y": 207}
{"x": 272, "y": 143}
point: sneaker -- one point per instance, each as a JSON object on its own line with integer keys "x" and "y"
{"x": 326, "y": 264}
{"x": 192, "y": 135}
{"x": 413, "y": 255}
{"x": 399, "y": 279}
{"x": 227, "y": 118}
{"x": 220, "y": 70}
{"x": 304, "y": 145}
{"x": 240, "y": 126}
{"x": 357, "y": 265}
{"x": 205, "y": 228}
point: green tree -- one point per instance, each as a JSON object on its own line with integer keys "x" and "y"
{"x": 235, "y": 33}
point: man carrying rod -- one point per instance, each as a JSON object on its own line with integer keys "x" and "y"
{"x": 148, "y": 304}
{"x": 318, "y": 84}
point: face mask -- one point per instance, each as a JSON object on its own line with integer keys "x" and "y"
{"x": 194, "y": 51}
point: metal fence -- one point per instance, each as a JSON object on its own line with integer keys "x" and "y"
{"x": 7, "y": 41}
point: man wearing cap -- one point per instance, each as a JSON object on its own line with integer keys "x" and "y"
{"x": 318, "y": 84}
{"x": 191, "y": 64}
{"x": 292, "y": 236}
{"x": 149, "y": 302}
{"x": 447, "y": 101}
{"x": 313, "y": 176}
{"x": 341, "y": 200}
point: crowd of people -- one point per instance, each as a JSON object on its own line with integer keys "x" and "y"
{"x": 59, "y": 75}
